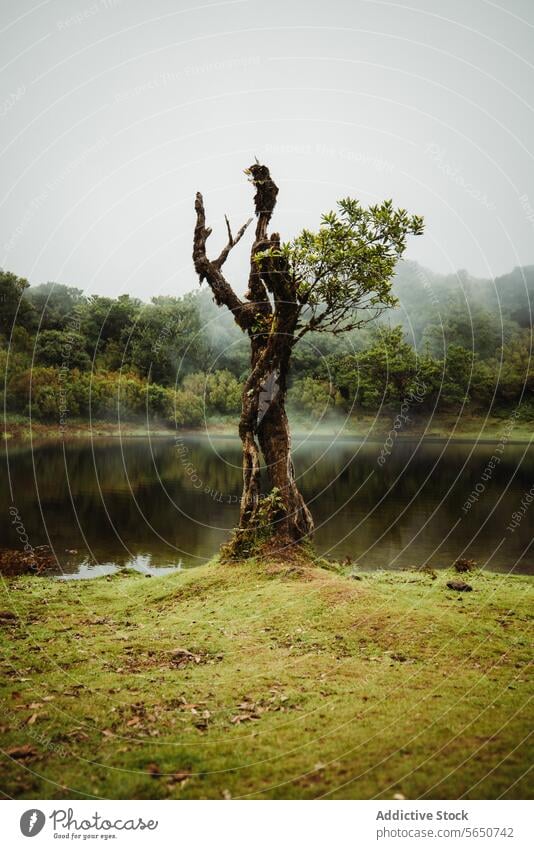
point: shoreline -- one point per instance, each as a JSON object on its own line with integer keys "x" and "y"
{"x": 370, "y": 430}
{"x": 43, "y": 563}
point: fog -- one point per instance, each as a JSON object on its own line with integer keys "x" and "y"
{"x": 114, "y": 113}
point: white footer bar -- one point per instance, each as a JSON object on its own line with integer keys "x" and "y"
{"x": 267, "y": 824}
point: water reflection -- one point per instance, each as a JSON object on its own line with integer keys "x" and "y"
{"x": 139, "y": 563}
{"x": 167, "y": 503}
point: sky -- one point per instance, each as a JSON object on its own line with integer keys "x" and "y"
{"x": 114, "y": 112}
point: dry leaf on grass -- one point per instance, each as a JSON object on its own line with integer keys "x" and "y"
{"x": 179, "y": 777}
{"x": 21, "y": 752}
{"x": 243, "y": 717}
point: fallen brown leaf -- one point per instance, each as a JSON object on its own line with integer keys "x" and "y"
{"x": 243, "y": 717}
{"x": 179, "y": 777}
{"x": 78, "y": 734}
{"x": 21, "y": 752}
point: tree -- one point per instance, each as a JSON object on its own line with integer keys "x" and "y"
{"x": 107, "y": 323}
{"x": 514, "y": 369}
{"x": 333, "y": 280}
{"x": 380, "y": 376}
{"x": 55, "y": 304}
{"x": 14, "y": 306}
{"x": 165, "y": 331}
{"x": 61, "y": 348}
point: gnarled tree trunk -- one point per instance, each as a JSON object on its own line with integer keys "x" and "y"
{"x": 269, "y": 316}
{"x": 295, "y": 521}
{"x": 264, "y": 427}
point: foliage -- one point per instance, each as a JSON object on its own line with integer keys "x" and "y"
{"x": 344, "y": 271}
{"x": 383, "y": 374}
{"x": 250, "y": 541}
{"x": 219, "y": 391}
{"x": 223, "y": 392}
{"x": 467, "y": 344}
{"x": 14, "y": 303}
{"x": 311, "y": 396}
{"x": 56, "y": 347}
{"x": 166, "y": 332}
{"x": 54, "y": 304}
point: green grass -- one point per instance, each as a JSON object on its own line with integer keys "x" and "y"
{"x": 303, "y": 683}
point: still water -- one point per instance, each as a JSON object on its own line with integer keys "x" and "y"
{"x": 155, "y": 504}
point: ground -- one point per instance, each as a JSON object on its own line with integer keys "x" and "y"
{"x": 266, "y": 680}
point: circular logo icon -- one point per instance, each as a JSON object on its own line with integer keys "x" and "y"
{"x": 31, "y": 822}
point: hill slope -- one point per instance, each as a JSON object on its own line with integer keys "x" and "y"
{"x": 263, "y": 681}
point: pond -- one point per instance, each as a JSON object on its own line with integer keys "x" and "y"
{"x": 166, "y": 503}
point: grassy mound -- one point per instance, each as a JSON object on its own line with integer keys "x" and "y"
{"x": 265, "y": 681}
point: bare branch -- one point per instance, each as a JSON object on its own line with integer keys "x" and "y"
{"x": 341, "y": 320}
{"x": 210, "y": 271}
{"x": 200, "y": 237}
{"x": 229, "y": 229}
{"x": 221, "y": 259}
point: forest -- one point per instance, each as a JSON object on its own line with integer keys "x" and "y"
{"x": 452, "y": 343}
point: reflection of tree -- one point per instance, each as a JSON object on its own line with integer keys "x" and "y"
{"x": 342, "y": 483}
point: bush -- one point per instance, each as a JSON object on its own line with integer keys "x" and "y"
{"x": 35, "y": 392}
{"x": 188, "y": 409}
{"x": 220, "y": 391}
{"x": 311, "y": 396}
{"x": 223, "y": 392}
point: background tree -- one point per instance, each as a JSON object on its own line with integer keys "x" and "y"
{"x": 54, "y": 304}
{"x": 333, "y": 280}
{"x": 166, "y": 331}
{"x": 57, "y": 347}
{"x": 14, "y": 304}
{"x": 380, "y": 376}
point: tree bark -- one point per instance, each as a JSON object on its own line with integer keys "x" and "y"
{"x": 268, "y": 315}
{"x": 264, "y": 427}
{"x": 295, "y": 521}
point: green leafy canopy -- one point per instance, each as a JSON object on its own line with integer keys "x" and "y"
{"x": 342, "y": 274}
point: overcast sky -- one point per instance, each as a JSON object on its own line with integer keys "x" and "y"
{"x": 113, "y": 112}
